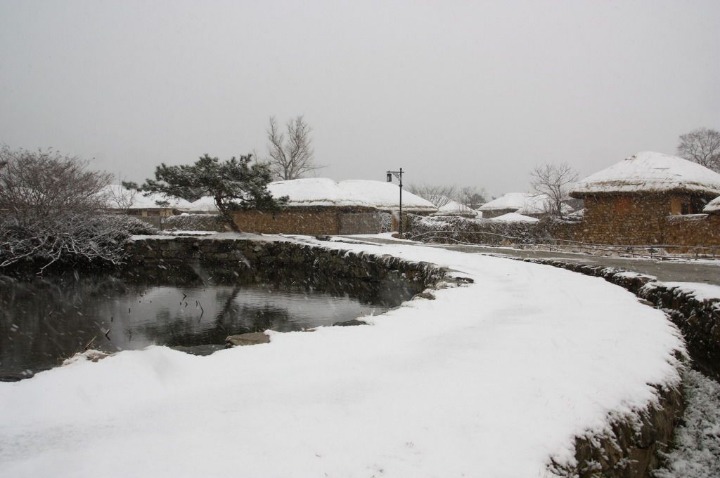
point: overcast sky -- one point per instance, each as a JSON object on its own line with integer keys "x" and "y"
{"x": 472, "y": 93}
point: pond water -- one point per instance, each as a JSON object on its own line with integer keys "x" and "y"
{"x": 47, "y": 321}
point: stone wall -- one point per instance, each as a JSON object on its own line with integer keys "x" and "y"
{"x": 313, "y": 221}
{"x": 382, "y": 280}
{"x": 698, "y": 320}
{"x": 629, "y": 449}
{"x": 647, "y": 219}
{"x": 699, "y": 232}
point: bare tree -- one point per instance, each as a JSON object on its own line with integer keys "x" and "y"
{"x": 701, "y": 145}
{"x": 122, "y": 197}
{"x": 554, "y": 181}
{"x": 438, "y": 195}
{"x": 290, "y": 152}
{"x": 471, "y": 197}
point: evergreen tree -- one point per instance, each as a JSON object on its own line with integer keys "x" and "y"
{"x": 235, "y": 184}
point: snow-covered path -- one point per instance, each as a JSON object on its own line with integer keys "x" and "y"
{"x": 489, "y": 379}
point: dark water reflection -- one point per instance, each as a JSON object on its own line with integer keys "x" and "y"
{"x": 46, "y": 321}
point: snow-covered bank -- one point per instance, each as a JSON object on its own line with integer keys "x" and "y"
{"x": 697, "y": 439}
{"x": 490, "y": 379}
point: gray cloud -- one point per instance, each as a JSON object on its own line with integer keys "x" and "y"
{"x": 471, "y": 93}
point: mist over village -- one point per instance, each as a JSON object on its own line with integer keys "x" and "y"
{"x": 367, "y": 239}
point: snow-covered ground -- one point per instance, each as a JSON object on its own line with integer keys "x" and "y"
{"x": 697, "y": 439}
{"x": 489, "y": 379}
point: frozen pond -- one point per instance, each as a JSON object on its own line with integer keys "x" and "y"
{"x": 47, "y": 321}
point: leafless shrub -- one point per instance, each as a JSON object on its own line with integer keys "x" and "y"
{"x": 50, "y": 212}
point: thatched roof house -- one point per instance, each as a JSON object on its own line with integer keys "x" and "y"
{"x": 629, "y": 202}
{"x": 527, "y": 204}
{"x": 324, "y": 206}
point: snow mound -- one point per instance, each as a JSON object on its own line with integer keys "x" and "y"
{"x": 508, "y": 201}
{"x": 514, "y": 217}
{"x": 713, "y": 206}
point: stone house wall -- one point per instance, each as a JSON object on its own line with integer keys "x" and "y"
{"x": 634, "y": 219}
{"x": 694, "y": 230}
{"x": 314, "y": 221}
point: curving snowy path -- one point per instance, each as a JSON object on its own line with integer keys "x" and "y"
{"x": 489, "y": 379}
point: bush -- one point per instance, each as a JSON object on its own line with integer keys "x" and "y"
{"x": 451, "y": 229}
{"x": 70, "y": 240}
{"x": 51, "y": 212}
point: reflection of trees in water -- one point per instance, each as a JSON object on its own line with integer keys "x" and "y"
{"x": 231, "y": 319}
{"x": 46, "y": 321}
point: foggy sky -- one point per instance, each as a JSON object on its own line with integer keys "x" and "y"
{"x": 470, "y": 93}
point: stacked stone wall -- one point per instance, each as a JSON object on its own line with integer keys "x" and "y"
{"x": 646, "y": 219}
{"x": 699, "y": 232}
{"x": 311, "y": 221}
{"x": 697, "y": 319}
{"x": 383, "y": 280}
{"x": 296, "y": 220}
{"x": 625, "y": 219}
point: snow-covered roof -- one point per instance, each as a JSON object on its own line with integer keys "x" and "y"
{"x": 509, "y": 201}
{"x": 713, "y": 206}
{"x": 364, "y": 193}
{"x": 514, "y": 217}
{"x": 204, "y": 204}
{"x": 384, "y": 195}
{"x": 119, "y": 197}
{"x": 650, "y": 172}
{"x": 454, "y": 207}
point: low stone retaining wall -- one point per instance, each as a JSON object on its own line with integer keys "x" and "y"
{"x": 699, "y": 322}
{"x": 697, "y": 319}
{"x": 383, "y": 280}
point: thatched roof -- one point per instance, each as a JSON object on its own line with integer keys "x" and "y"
{"x": 650, "y": 172}
{"x": 359, "y": 193}
{"x": 512, "y": 201}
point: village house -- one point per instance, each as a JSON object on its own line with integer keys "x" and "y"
{"x": 649, "y": 199}
{"x": 321, "y": 206}
{"x": 525, "y": 204}
{"x": 152, "y": 208}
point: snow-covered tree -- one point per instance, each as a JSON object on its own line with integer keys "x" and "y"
{"x": 701, "y": 145}
{"x": 234, "y": 184}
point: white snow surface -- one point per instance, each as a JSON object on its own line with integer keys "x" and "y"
{"x": 327, "y": 192}
{"x": 650, "y": 171}
{"x": 713, "y": 206}
{"x": 454, "y": 207}
{"x": 204, "y": 204}
{"x": 700, "y": 290}
{"x": 514, "y": 217}
{"x": 509, "y": 201}
{"x": 490, "y": 379}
